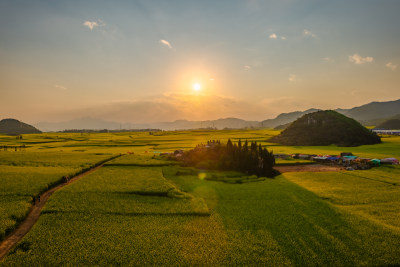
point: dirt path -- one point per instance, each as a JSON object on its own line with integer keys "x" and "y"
{"x": 34, "y": 214}
{"x": 308, "y": 168}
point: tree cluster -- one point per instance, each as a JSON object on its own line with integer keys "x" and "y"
{"x": 249, "y": 158}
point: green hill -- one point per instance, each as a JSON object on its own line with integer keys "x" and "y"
{"x": 15, "y": 127}
{"x": 393, "y": 124}
{"x": 323, "y": 128}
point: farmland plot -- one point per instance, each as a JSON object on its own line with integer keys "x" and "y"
{"x": 125, "y": 190}
{"x": 100, "y": 220}
{"x": 304, "y": 228}
{"x": 372, "y": 195}
{"x": 137, "y": 211}
{"x": 142, "y": 160}
{"x": 24, "y": 175}
{"x": 117, "y": 210}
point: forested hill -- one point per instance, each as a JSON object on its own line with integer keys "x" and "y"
{"x": 16, "y": 127}
{"x": 323, "y": 128}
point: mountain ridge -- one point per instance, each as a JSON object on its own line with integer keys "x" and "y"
{"x": 367, "y": 114}
{"x": 373, "y": 111}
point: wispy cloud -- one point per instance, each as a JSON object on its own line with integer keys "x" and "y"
{"x": 327, "y": 59}
{"x": 283, "y": 38}
{"x": 292, "y": 78}
{"x": 357, "y": 59}
{"x": 307, "y": 33}
{"x": 254, "y": 64}
{"x": 101, "y": 22}
{"x": 60, "y": 87}
{"x": 90, "y": 24}
{"x": 391, "y": 66}
{"x": 165, "y": 42}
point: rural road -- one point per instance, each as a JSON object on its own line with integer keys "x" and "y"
{"x": 34, "y": 214}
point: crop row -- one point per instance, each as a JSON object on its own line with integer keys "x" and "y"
{"x": 273, "y": 222}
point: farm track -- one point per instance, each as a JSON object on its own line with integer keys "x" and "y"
{"x": 34, "y": 214}
{"x": 307, "y": 168}
{"x": 325, "y": 168}
{"x": 367, "y": 178}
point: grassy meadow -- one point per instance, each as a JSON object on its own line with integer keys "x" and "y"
{"x": 143, "y": 210}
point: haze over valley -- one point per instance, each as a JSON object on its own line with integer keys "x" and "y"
{"x": 369, "y": 114}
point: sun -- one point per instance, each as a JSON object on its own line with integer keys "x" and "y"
{"x": 196, "y": 87}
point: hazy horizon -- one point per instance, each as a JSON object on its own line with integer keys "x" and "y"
{"x": 154, "y": 61}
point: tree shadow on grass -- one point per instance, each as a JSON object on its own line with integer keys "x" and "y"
{"x": 308, "y": 230}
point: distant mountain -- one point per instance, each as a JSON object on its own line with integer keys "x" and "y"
{"x": 16, "y": 127}
{"x": 324, "y": 128}
{"x": 229, "y": 123}
{"x": 81, "y": 123}
{"x": 373, "y": 111}
{"x": 285, "y": 118}
{"x": 369, "y": 114}
{"x": 382, "y": 120}
{"x": 393, "y": 124}
{"x": 283, "y": 126}
{"x": 98, "y": 124}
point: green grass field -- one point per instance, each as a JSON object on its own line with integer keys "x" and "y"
{"x": 140, "y": 210}
{"x": 24, "y": 175}
{"x": 373, "y": 195}
{"x": 145, "y": 160}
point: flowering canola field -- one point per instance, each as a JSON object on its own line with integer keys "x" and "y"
{"x": 140, "y": 210}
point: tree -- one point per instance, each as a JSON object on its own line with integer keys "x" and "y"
{"x": 255, "y": 160}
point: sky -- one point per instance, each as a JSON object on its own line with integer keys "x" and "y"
{"x": 151, "y": 61}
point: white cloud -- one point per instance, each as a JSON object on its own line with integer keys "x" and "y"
{"x": 100, "y": 26}
{"x": 60, "y": 87}
{"x": 165, "y": 42}
{"x": 91, "y": 24}
{"x": 274, "y": 36}
{"x": 328, "y": 59}
{"x": 357, "y": 59}
{"x": 309, "y": 34}
{"x": 292, "y": 78}
{"x": 391, "y": 66}
{"x": 247, "y": 67}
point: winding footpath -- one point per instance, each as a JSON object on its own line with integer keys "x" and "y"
{"x": 34, "y": 214}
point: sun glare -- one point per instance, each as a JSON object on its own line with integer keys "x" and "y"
{"x": 197, "y": 87}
